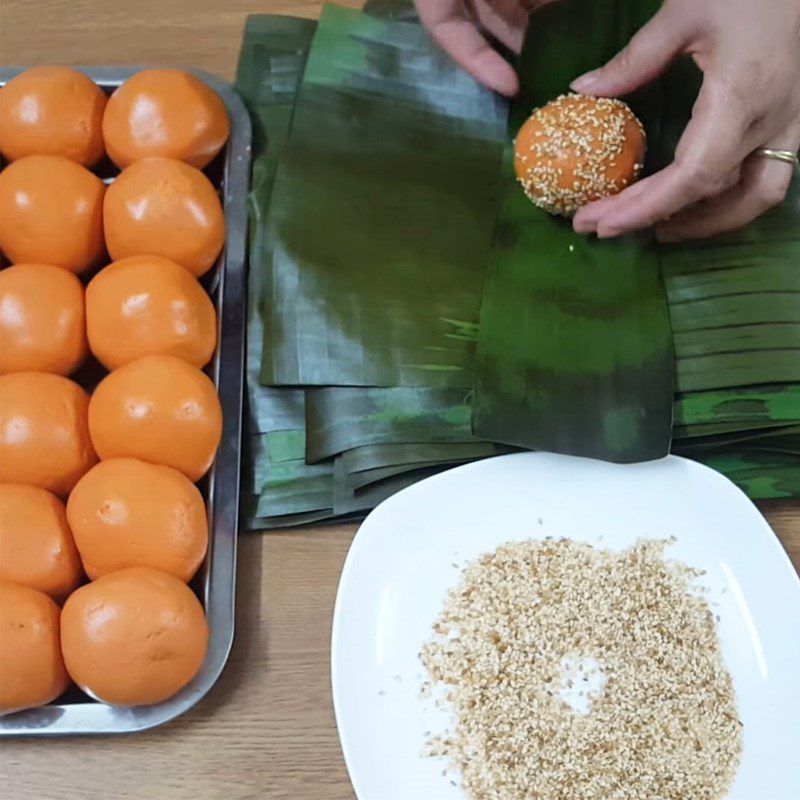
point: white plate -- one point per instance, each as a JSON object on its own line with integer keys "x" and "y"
{"x": 401, "y": 565}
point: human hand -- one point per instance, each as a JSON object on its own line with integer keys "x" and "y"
{"x": 456, "y": 27}
{"x": 749, "y": 53}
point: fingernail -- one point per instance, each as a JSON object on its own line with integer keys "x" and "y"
{"x": 585, "y": 82}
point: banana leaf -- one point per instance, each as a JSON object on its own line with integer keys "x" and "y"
{"x": 780, "y": 439}
{"x": 272, "y": 60}
{"x": 350, "y": 501}
{"x": 742, "y": 338}
{"x": 370, "y": 442}
{"x": 379, "y": 456}
{"x": 735, "y": 312}
{"x": 357, "y": 481}
{"x": 574, "y": 347}
{"x": 270, "y": 69}
{"x": 761, "y": 475}
{"x": 268, "y": 76}
{"x": 382, "y": 212}
{"x": 339, "y": 419}
{"x": 731, "y": 312}
{"x": 748, "y": 407}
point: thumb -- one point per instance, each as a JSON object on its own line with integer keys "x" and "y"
{"x": 647, "y": 55}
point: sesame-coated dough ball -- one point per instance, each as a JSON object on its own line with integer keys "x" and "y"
{"x": 576, "y": 150}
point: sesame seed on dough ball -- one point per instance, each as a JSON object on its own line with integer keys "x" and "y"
{"x": 578, "y": 149}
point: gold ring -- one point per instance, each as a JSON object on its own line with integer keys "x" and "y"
{"x": 787, "y": 156}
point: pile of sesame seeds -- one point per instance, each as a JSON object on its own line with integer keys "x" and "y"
{"x": 534, "y": 622}
{"x": 573, "y": 151}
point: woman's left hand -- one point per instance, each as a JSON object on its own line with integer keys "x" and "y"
{"x": 749, "y": 52}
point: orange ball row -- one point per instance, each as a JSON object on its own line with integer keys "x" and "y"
{"x": 122, "y": 513}
{"x": 136, "y": 307}
{"x": 55, "y": 211}
{"x": 159, "y": 409}
{"x": 157, "y": 112}
{"x": 104, "y": 639}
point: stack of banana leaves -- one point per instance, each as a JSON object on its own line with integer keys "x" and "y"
{"x": 410, "y": 310}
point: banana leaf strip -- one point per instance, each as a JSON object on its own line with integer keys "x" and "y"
{"x": 263, "y": 524}
{"x": 685, "y": 436}
{"x": 749, "y": 407}
{"x": 357, "y": 481}
{"x": 783, "y": 439}
{"x": 761, "y": 475}
{"x": 342, "y": 418}
{"x": 721, "y": 370}
{"x": 745, "y": 309}
{"x": 379, "y": 456}
{"x": 574, "y": 349}
{"x": 348, "y": 501}
{"x": 382, "y": 212}
{"x": 270, "y": 69}
{"x": 684, "y": 288}
{"x": 741, "y": 338}
{"x": 734, "y": 305}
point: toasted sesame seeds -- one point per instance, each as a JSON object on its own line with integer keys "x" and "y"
{"x": 586, "y": 674}
{"x": 578, "y": 149}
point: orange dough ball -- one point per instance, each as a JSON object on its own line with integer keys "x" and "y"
{"x": 52, "y": 213}
{"x": 42, "y": 320}
{"x": 44, "y": 436}
{"x": 163, "y": 207}
{"x": 133, "y": 637}
{"x": 165, "y": 112}
{"x": 36, "y": 546}
{"x": 148, "y": 305}
{"x": 159, "y": 409}
{"x": 576, "y": 150}
{"x": 31, "y": 667}
{"x": 128, "y": 513}
{"x": 52, "y": 111}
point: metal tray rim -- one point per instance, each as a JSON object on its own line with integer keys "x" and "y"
{"x": 223, "y": 492}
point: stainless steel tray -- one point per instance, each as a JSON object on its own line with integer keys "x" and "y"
{"x": 215, "y": 583}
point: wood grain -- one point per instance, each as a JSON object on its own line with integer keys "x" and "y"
{"x": 266, "y": 731}
{"x": 198, "y": 33}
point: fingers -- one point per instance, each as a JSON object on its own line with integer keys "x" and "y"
{"x": 461, "y": 39}
{"x": 647, "y": 55}
{"x": 764, "y": 184}
{"x": 505, "y": 21}
{"x": 707, "y": 161}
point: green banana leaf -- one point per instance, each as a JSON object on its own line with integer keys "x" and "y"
{"x": 339, "y": 419}
{"x": 749, "y": 407}
{"x": 380, "y": 456}
{"x": 741, "y": 338}
{"x": 268, "y": 76}
{"x": 782, "y": 439}
{"x": 574, "y": 348}
{"x": 735, "y": 311}
{"x": 761, "y": 475}
{"x": 349, "y": 501}
{"x": 270, "y": 69}
{"x": 382, "y": 212}
{"x": 357, "y": 481}
{"x": 369, "y": 442}
{"x": 272, "y": 60}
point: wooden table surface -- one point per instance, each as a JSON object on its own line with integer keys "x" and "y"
{"x": 266, "y": 731}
